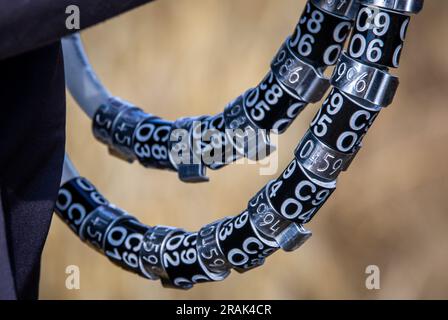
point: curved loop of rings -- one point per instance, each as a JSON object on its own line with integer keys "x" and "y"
{"x": 275, "y": 216}
{"x": 210, "y": 141}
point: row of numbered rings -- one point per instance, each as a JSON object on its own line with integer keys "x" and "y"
{"x": 362, "y": 86}
{"x": 360, "y": 90}
{"x": 274, "y": 217}
{"x": 177, "y": 257}
{"x": 295, "y": 79}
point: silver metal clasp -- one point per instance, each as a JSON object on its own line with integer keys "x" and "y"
{"x": 320, "y": 159}
{"x": 287, "y": 234}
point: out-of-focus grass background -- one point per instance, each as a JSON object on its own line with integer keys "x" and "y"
{"x": 190, "y": 57}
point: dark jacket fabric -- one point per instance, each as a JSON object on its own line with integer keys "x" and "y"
{"x": 32, "y": 128}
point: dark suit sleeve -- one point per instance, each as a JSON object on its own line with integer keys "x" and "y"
{"x": 29, "y": 24}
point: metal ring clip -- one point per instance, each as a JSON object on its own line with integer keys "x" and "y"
{"x": 377, "y": 87}
{"x": 190, "y": 167}
{"x": 287, "y": 234}
{"x": 210, "y": 254}
{"x": 320, "y": 159}
{"x": 247, "y": 138}
{"x": 153, "y": 244}
{"x": 297, "y": 77}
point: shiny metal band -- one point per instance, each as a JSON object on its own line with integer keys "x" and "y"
{"x": 403, "y": 6}
{"x": 320, "y": 159}
{"x": 288, "y": 235}
{"x": 341, "y": 8}
{"x": 191, "y": 172}
{"x": 247, "y": 139}
{"x": 124, "y": 106}
{"x": 210, "y": 254}
{"x": 298, "y": 77}
{"x": 377, "y": 87}
{"x": 104, "y": 118}
{"x": 153, "y": 245}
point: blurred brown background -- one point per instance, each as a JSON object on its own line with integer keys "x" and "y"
{"x": 190, "y": 57}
